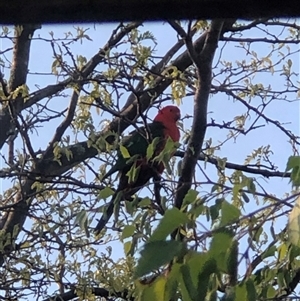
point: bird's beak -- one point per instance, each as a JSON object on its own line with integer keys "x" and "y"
{"x": 178, "y": 116}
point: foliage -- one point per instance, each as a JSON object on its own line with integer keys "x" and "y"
{"x": 214, "y": 226}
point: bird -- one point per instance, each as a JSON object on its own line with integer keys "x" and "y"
{"x": 134, "y": 166}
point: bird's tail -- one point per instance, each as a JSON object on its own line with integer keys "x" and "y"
{"x": 108, "y": 213}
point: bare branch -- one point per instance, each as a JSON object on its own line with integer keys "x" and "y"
{"x": 258, "y": 171}
{"x": 204, "y": 62}
{"x": 22, "y": 42}
{"x": 266, "y": 118}
{"x": 260, "y": 40}
{"x": 66, "y": 122}
{"x": 18, "y": 76}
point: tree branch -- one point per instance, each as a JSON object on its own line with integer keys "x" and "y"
{"x": 203, "y": 63}
{"x": 260, "y": 114}
{"x": 97, "y": 291}
{"x": 258, "y": 171}
{"x": 22, "y": 41}
{"x": 18, "y": 76}
{"x": 66, "y": 122}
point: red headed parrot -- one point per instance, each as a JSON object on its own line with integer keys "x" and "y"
{"x": 164, "y": 126}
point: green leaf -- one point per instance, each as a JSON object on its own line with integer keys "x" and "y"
{"x": 220, "y": 247}
{"x": 124, "y": 152}
{"x": 155, "y": 254}
{"x": 229, "y": 214}
{"x": 282, "y": 251}
{"x": 172, "y": 282}
{"x": 151, "y": 148}
{"x": 231, "y": 260}
{"x": 280, "y": 278}
{"x": 294, "y": 252}
{"x": 105, "y": 193}
{"x": 269, "y": 252}
{"x": 127, "y": 247}
{"x": 236, "y": 191}
{"x": 128, "y": 231}
{"x": 196, "y": 275}
{"x": 250, "y": 185}
{"x": 170, "y": 146}
{"x": 294, "y": 165}
{"x": 256, "y": 233}
{"x": 133, "y": 173}
{"x": 295, "y": 176}
{"x": 209, "y": 268}
{"x": 144, "y": 202}
{"x": 81, "y": 219}
{"x": 292, "y": 162}
{"x": 214, "y": 211}
{"x": 294, "y": 224}
{"x": 251, "y": 290}
{"x": 190, "y": 197}
{"x": 155, "y": 291}
{"x": 240, "y": 292}
{"x": 271, "y": 292}
{"x": 188, "y": 283}
{"x": 130, "y": 207}
{"x": 172, "y": 219}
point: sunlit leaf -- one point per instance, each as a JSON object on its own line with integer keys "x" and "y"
{"x": 240, "y": 292}
{"x": 172, "y": 282}
{"x": 294, "y": 224}
{"x": 133, "y": 173}
{"x": 151, "y": 148}
{"x": 128, "y": 231}
{"x": 127, "y": 247}
{"x": 124, "y": 152}
{"x": 271, "y": 292}
{"x": 155, "y": 291}
{"x": 282, "y": 251}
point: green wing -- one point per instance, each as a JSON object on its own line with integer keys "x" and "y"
{"x": 136, "y": 144}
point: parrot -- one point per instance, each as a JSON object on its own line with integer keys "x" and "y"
{"x": 163, "y": 127}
